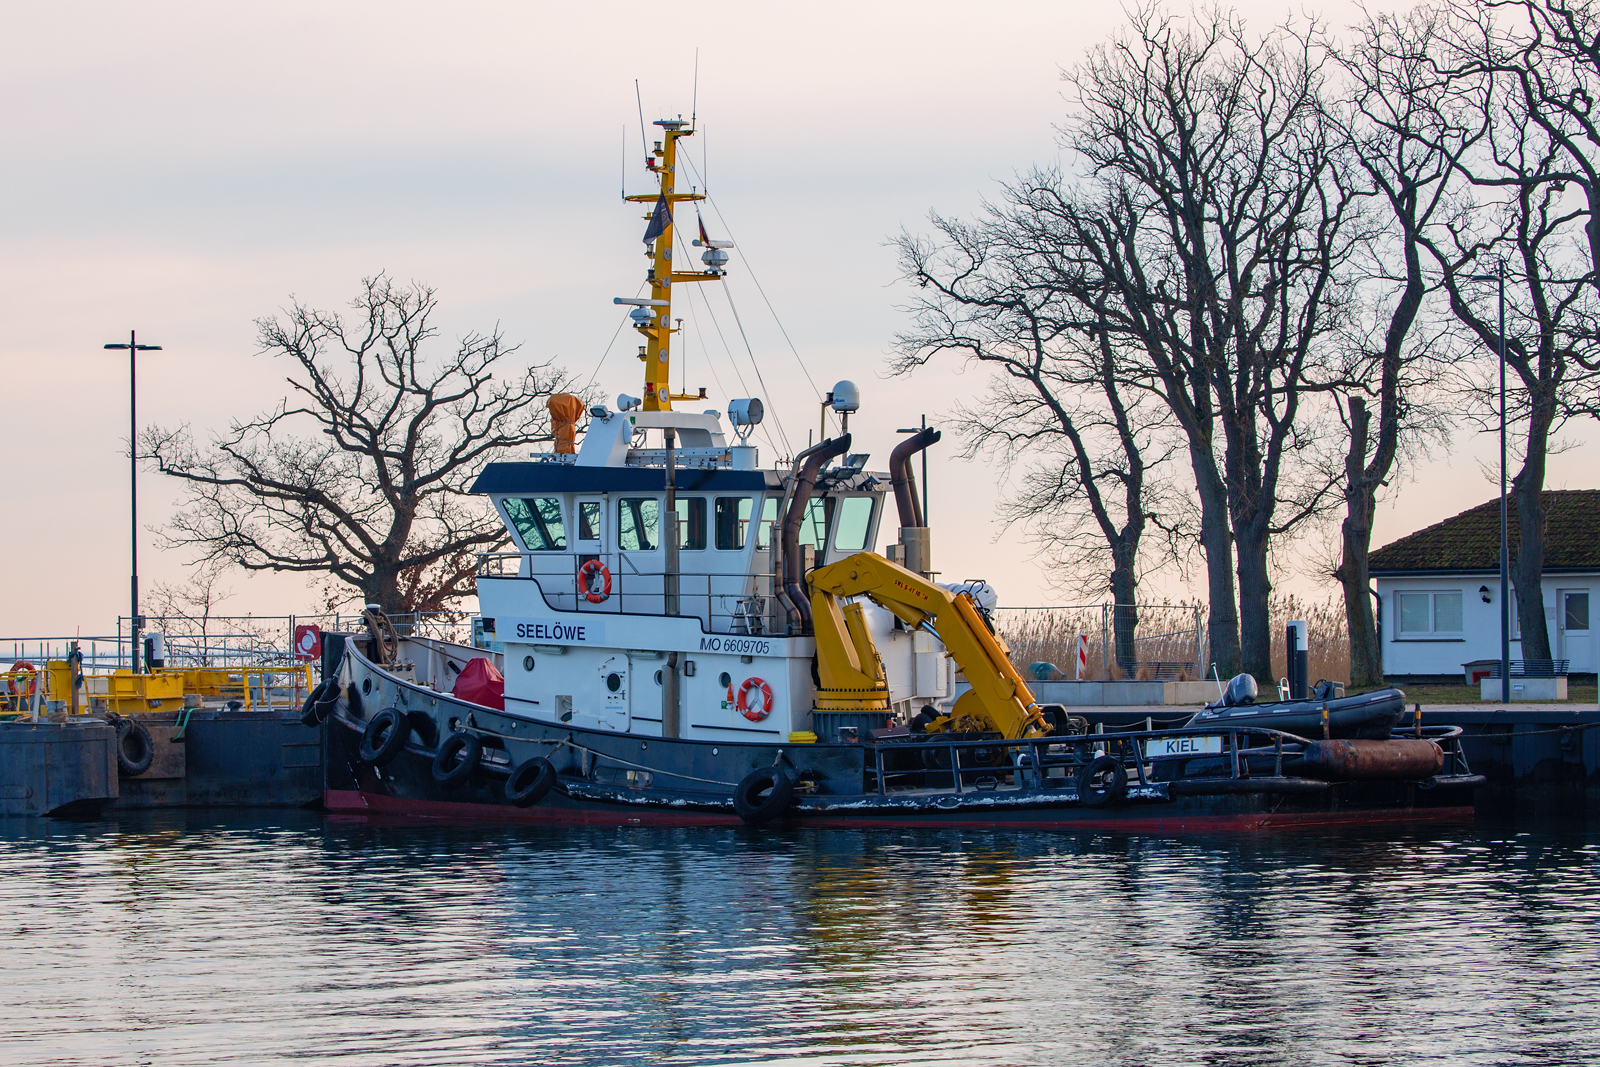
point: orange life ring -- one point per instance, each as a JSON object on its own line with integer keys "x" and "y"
{"x": 752, "y": 713}
{"x": 17, "y": 686}
{"x": 587, "y": 572}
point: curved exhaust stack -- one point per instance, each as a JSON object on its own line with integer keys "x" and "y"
{"x": 904, "y": 482}
{"x": 914, "y": 552}
{"x": 808, "y": 465}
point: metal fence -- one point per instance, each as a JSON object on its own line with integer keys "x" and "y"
{"x": 226, "y": 640}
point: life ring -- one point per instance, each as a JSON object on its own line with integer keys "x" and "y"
{"x": 19, "y": 687}
{"x": 752, "y": 713}
{"x": 587, "y": 572}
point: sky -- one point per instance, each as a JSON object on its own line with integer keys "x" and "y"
{"x": 184, "y": 169}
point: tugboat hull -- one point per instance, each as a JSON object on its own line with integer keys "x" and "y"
{"x": 625, "y": 779}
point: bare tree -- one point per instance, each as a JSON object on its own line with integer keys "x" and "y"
{"x": 1409, "y": 145}
{"x": 1532, "y": 217}
{"x": 1222, "y": 235}
{"x": 1060, "y": 411}
{"x": 187, "y": 608}
{"x": 360, "y": 473}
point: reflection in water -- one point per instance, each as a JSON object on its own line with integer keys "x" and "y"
{"x": 190, "y": 939}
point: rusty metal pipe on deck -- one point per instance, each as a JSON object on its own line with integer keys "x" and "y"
{"x": 1397, "y": 759}
{"x": 800, "y": 488}
{"x": 904, "y": 482}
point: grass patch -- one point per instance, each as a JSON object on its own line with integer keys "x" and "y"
{"x": 1430, "y": 695}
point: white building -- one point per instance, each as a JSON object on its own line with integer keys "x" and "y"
{"x": 1440, "y": 589}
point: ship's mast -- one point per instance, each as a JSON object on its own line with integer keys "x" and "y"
{"x": 653, "y": 316}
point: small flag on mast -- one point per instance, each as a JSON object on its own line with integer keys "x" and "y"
{"x": 660, "y": 219}
{"x": 704, "y": 238}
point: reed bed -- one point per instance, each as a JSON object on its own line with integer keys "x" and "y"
{"x": 1166, "y": 635}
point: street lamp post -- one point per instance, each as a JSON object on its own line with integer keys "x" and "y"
{"x": 137, "y": 623}
{"x": 1499, "y": 277}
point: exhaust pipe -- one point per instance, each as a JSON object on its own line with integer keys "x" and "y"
{"x": 808, "y": 465}
{"x": 915, "y": 549}
{"x": 904, "y": 482}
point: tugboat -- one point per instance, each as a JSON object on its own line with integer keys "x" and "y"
{"x": 691, "y": 638}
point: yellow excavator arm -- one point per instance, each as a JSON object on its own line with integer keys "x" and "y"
{"x": 852, "y": 672}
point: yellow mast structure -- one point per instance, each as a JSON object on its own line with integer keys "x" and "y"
{"x": 654, "y": 318}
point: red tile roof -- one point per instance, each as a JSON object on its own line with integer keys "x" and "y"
{"x": 1470, "y": 541}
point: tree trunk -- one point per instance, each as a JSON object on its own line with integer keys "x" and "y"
{"x": 383, "y": 589}
{"x": 1360, "y": 497}
{"x": 1124, "y": 610}
{"x": 1527, "y": 566}
{"x": 1222, "y": 624}
{"x": 1255, "y": 591}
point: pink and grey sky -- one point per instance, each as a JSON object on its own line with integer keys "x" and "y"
{"x": 183, "y": 168}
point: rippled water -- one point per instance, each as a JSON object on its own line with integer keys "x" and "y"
{"x": 190, "y": 939}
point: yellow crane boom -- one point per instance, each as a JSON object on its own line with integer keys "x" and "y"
{"x": 851, "y": 671}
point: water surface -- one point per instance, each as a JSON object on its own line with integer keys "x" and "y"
{"x": 194, "y": 938}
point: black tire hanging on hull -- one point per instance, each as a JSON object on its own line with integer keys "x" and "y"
{"x": 529, "y": 783}
{"x": 1112, "y": 789}
{"x": 319, "y": 702}
{"x": 135, "y": 750}
{"x": 754, "y": 807}
{"x": 384, "y": 737}
{"x": 457, "y": 758}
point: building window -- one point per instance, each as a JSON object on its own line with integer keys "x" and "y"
{"x": 1575, "y": 608}
{"x": 637, "y": 521}
{"x": 1430, "y": 614}
{"x": 538, "y": 522}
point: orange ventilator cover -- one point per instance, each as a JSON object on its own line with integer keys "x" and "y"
{"x": 481, "y": 684}
{"x": 565, "y": 411}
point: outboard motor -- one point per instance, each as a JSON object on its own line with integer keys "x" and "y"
{"x": 1242, "y": 689}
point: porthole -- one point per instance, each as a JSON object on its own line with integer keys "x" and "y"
{"x": 614, "y": 681}
{"x": 658, "y": 677}
{"x": 644, "y": 744}
{"x": 527, "y": 663}
{"x": 724, "y": 679}
{"x": 366, "y": 686}
{"x": 713, "y": 752}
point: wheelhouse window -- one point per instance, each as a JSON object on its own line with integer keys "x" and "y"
{"x": 816, "y": 520}
{"x": 537, "y": 521}
{"x": 1430, "y": 614}
{"x": 733, "y": 521}
{"x": 691, "y": 522}
{"x": 588, "y": 520}
{"x": 855, "y": 520}
{"x": 768, "y": 523}
{"x": 638, "y": 520}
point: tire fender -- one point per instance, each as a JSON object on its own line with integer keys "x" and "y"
{"x": 384, "y": 737}
{"x": 752, "y": 806}
{"x": 530, "y": 782}
{"x": 135, "y": 750}
{"x": 1114, "y": 788}
{"x": 457, "y": 758}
